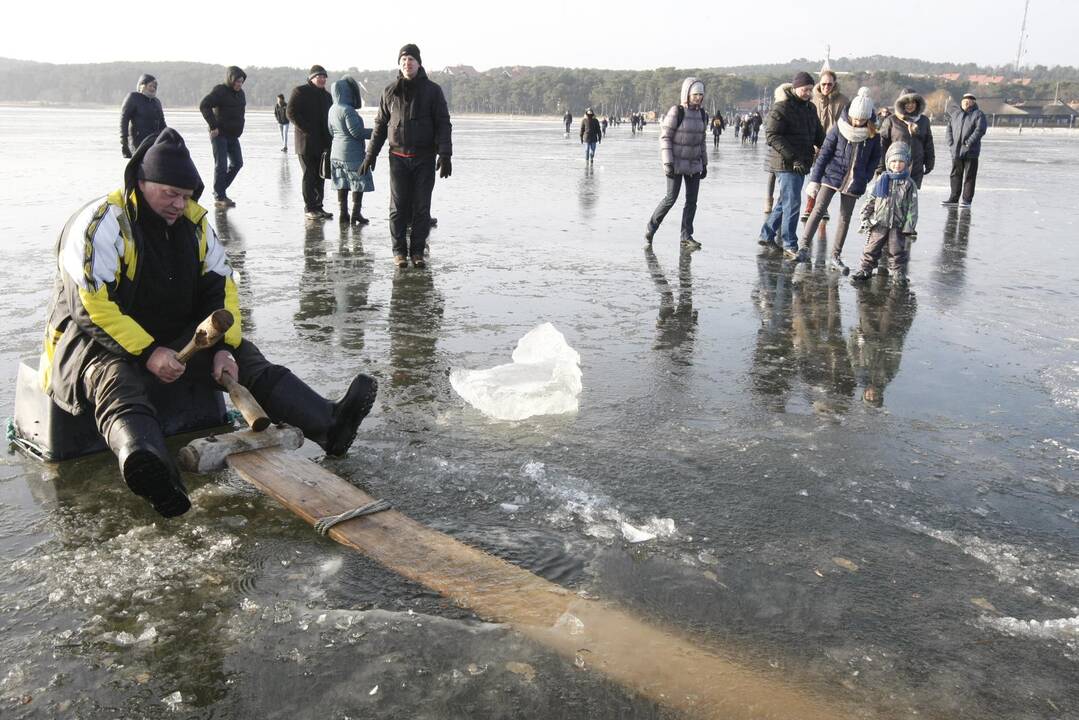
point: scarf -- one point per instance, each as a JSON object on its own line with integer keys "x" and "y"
{"x": 884, "y": 184}
{"x": 911, "y": 122}
{"x": 851, "y": 133}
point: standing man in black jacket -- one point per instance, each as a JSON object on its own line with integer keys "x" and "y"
{"x": 793, "y": 132}
{"x": 141, "y": 115}
{"x": 413, "y": 114}
{"x": 309, "y": 109}
{"x": 224, "y": 110}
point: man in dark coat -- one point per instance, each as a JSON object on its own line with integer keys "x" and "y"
{"x": 140, "y": 115}
{"x": 308, "y": 109}
{"x": 591, "y": 135}
{"x": 966, "y": 126}
{"x": 793, "y": 132}
{"x": 223, "y": 108}
{"x": 138, "y": 270}
{"x": 413, "y": 116}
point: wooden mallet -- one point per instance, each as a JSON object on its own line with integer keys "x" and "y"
{"x": 207, "y": 334}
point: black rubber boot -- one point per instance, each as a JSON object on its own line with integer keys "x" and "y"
{"x": 145, "y": 464}
{"x": 357, "y": 210}
{"x": 342, "y": 201}
{"x": 332, "y": 425}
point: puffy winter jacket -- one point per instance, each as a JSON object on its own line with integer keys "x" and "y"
{"x": 844, "y": 165}
{"x": 345, "y": 124}
{"x": 591, "y": 132}
{"x": 140, "y": 117}
{"x": 684, "y": 146}
{"x": 413, "y": 115}
{"x": 102, "y": 258}
{"x": 965, "y": 131}
{"x": 792, "y": 132}
{"x": 896, "y": 128}
{"x": 223, "y": 108}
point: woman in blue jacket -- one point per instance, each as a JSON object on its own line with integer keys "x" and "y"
{"x": 845, "y": 165}
{"x": 348, "y": 149}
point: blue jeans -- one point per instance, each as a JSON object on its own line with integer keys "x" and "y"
{"x": 284, "y": 134}
{"x": 227, "y": 162}
{"x": 589, "y": 151}
{"x": 785, "y": 213}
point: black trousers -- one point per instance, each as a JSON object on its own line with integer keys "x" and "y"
{"x": 964, "y": 176}
{"x": 312, "y": 186}
{"x": 412, "y": 180}
{"x": 689, "y": 211}
{"x": 117, "y": 386}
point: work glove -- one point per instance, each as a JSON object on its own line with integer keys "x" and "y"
{"x": 444, "y": 166}
{"x": 668, "y": 170}
{"x": 126, "y": 152}
{"x": 812, "y": 189}
{"x": 800, "y": 167}
{"x": 704, "y": 172}
{"x": 368, "y": 164}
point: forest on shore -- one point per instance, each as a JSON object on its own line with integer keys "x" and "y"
{"x": 535, "y": 90}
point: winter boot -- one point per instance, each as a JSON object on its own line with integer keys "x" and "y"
{"x": 332, "y": 425}
{"x": 342, "y": 202}
{"x": 860, "y": 277}
{"x": 357, "y": 204}
{"x": 145, "y": 464}
{"x": 834, "y": 263}
{"x": 810, "y": 202}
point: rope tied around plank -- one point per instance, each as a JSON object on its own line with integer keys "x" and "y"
{"x": 323, "y": 525}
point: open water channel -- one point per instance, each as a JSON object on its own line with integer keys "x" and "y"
{"x": 917, "y": 559}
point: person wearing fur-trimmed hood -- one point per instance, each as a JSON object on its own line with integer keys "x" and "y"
{"x": 141, "y": 115}
{"x": 683, "y": 152}
{"x": 845, "y": 164}
{"x": 910, "y": 125}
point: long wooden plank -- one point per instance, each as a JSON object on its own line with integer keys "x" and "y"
{"x": 659, "y": 664}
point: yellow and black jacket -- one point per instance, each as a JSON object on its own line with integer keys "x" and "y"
{"x": 102, "y": 256}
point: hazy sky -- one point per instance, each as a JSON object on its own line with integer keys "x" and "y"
{"x": 628, "y": 34}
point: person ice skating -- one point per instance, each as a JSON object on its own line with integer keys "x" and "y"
{"x": 141, "y": 115}
{"x": 845, "y": 164}
{"x": 910, "y": 125}
{"x": 308, "y": 110}
{"x": 413, "y": 116}
{"x": 280, "y": 112}
{"x": 793, "y": 131}
{"x": 591, "y": 135}
{"x": 718, "y": 124}
{"x": 223, "y": 109}
{"x": 683, "y": 152}
{"x": 347, "y": 151}
{"x": 890, "y": 217}
{"x": 137, "y": 270}
{"x": 966, "y": 126}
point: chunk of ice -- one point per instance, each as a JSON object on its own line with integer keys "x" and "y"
{"x": 543, "y": 379}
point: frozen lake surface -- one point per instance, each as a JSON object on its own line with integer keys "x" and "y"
{"x": 920, "y": 559}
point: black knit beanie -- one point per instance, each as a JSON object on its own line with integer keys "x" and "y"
{"x": 412, "y": 50}
{"x": 801, "y": 80}
{"x": 145, "y": 79}
{"x": 167, "y": 161}
{"x": 315, "y": 71}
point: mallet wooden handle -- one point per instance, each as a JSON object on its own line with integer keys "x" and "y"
{"x": 246, "y": 403}
{"x": 207, "y": 333}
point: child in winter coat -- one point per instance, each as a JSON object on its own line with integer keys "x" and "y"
{"x": 845, "y": 165}
{"x": 890, "y": 216}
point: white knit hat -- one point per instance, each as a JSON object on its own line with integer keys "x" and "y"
{"x": 861, "y": 107}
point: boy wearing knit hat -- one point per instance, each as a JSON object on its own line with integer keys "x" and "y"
{"x": 414, "y": 118}
{"x": 845, "y": 165}
{"x": 890, "y": 217}
{"x": 137, "y": 272}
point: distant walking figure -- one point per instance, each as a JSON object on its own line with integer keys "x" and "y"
{"x": 280, "y": 111}
{"x": 591, "y": 135}
{"x": 223, "y": 109}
